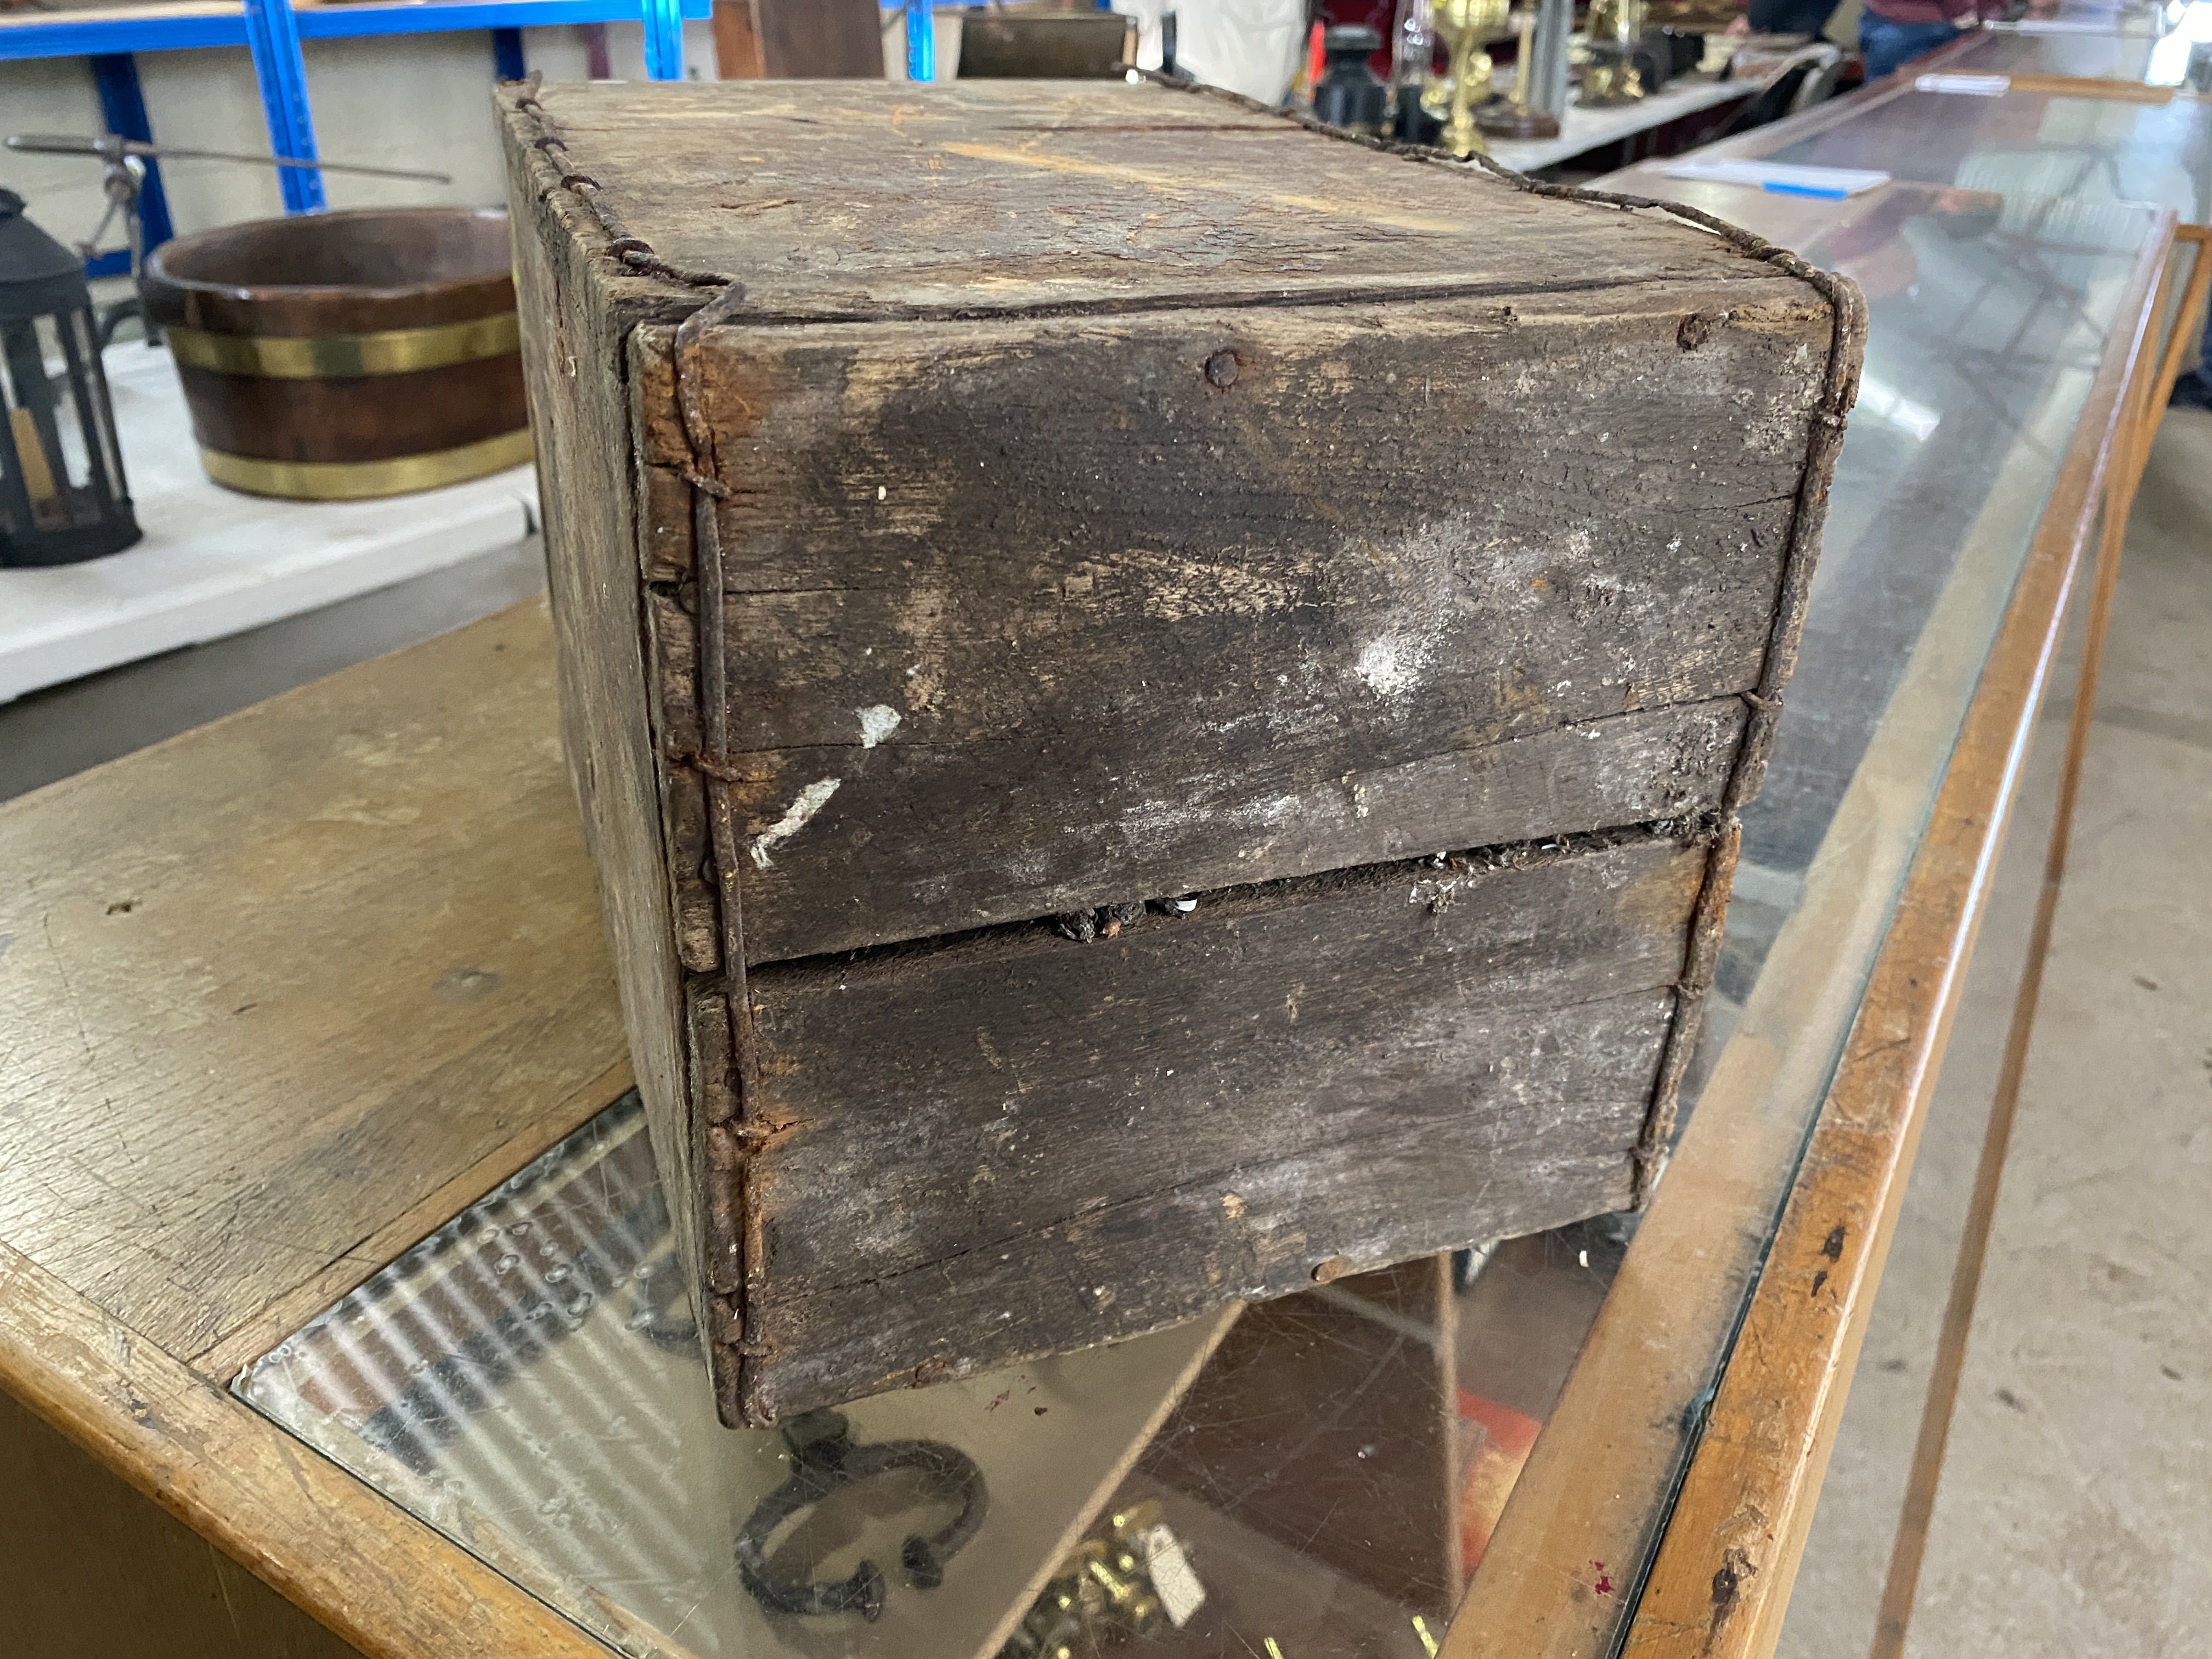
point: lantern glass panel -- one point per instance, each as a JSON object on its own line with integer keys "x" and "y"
{"x": 63, "y": 497}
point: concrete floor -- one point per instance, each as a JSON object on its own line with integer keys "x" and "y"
{"x": 2076, "y": 1490}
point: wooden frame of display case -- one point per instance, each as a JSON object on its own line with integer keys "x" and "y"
{"x": 1736, "y": 1525}
{"x": 182, "y": 1191}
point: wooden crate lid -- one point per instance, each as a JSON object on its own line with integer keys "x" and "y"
{"x": 843, "y": 200}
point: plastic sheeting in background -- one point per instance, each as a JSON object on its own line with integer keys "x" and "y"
{"x": 1250, "y": 46}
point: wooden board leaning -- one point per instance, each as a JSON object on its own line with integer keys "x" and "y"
{"x": 1160, "y": 698}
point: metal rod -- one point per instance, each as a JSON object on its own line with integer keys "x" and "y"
{"x": 47, "y": 144}
{"x": 1547, "y": 67}
{"x": 664, "y": 40}
{"x": 123, "y": 105}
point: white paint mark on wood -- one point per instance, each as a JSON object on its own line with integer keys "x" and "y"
{"x": 812, "y": 799}
{"x": 877, "y": 723}
{"x": 1390, "y": 668}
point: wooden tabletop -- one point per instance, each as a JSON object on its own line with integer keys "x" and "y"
{"x": 285, "y": 994}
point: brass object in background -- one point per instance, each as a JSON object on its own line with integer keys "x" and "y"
{"x": 357, "y": 480}
{"x": 344, "y": 356}
{"x": 1616, "y": 22}
{"x": 1610, "y": 80}
{"x": 1129, "y": 1582}
{"x": 1516, "y": 116}
{"x": 1612, "y": 77}
{"x": 334, "y": 356}
{"x": 1465, "y": 26}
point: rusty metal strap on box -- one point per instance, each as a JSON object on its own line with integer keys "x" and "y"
{"x": 730, "y": 1142}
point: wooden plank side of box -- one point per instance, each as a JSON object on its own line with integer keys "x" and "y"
{"x": 1110, "y": 493}
{"x": 577, "y": 405}
{"x": 1025, "y": 616}
{"x": 978, "y": 1152}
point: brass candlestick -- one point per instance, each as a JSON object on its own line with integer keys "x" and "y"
{"x": 1514, "y": 116}
{"x": 1616, "y": 27}
{"x": 1465, "y": 26}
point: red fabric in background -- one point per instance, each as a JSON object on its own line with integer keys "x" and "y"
{"x": 1494, "y": 1442}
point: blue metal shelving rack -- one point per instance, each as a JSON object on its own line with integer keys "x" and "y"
{"x": 272, "y": 31}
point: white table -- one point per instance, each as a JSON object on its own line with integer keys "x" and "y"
{"x": 1582, "y": 129}
{"x": 215, "y": 563}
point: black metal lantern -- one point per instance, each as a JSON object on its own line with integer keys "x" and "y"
{"x": 62, "y": 494}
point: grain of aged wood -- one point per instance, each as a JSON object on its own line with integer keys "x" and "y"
{"x": 206, "y": 948}
{"x": 979, "y": 516}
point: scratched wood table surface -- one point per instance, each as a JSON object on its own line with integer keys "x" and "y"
{"x": 286, "y": 993}
{"x": 283, "y": 994}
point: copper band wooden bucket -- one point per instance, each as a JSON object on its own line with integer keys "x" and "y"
{"x": 336, "y": 357}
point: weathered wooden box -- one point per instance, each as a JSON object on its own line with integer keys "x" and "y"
{"x": 1159, "y": 697}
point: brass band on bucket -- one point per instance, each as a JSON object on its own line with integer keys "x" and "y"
{"x": 353, "y": 480}
{"x": 347, "y": 356}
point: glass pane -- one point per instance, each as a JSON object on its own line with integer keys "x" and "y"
{"x": 55, "y": 437}
{"x": 2136, "y": 17}
{"x": 2076, "y": 55}
{"x": 1322, "y": 1481}
{"x": 1990, "y": 313}
{"x": 529, "y": 1380}
{"x": 68, "y": 359}
{"x": 2026, "y": 143}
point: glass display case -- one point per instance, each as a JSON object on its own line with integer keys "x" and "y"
{"x": 1322, "y": 1475}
